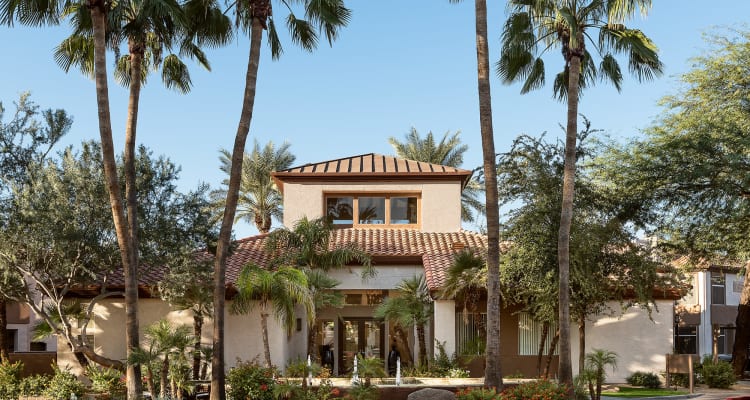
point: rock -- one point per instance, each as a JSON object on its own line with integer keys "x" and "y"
{"x": 432, "y": 394}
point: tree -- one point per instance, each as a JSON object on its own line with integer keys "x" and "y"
{"x": 259, "y": 199}
{"x": 321, "y": 287}
{"x": 26, "y": 139}
{"x": 412, "y": 307}
{"x": 596, "y": 374}
{"x": 272, "y": 291}
{"x": 693, "y": 166}
{"x": 450, "y": 152}
{"x": 536, "y": 26}
{"x": 255, "y": 16}
{"x": 163, "y": 341}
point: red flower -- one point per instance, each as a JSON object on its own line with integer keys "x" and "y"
{"x": 263, "y": 387}
{"x": 335, "y": 391}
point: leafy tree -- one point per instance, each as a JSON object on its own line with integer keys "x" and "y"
{"x": 272, "y": 291}
{"x": 26, "y": 139}
{"x": 536, "y": 26}
{"x": 259, "y": 199}
{"x": 450, "y": 152}
{"x": 254, "y": 16}
{"x": 412, "y": 307}
{"x": 692, "y": 166}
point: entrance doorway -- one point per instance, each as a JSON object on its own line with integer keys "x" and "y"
{"x": 363, "y": 336}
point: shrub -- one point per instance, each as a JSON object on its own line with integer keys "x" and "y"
{"x": 477, "y": 394}
{"x": 682, "y": 380}
{"x": 719, "y": 375}
{"x": 9, "y": 380}
{"x": 62, "y": 385}
{"x": 646, "y": 379}
{"x": 360, "y": 391}
{"x": 34, "y": 385}
{"x": 105, "y": 380}
{"x": 249, "y": 380}
{"x": 298, "y": 369}
{"x": 541, "y": 389}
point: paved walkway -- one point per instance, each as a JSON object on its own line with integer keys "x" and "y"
{"x": 742, "y": 388}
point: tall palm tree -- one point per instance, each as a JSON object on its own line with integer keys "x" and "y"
{"x": 272, "y": 291}
{"x": 259, "y": 199}
{"x": 450, "y": 152}
{"x": 321, "y": 288}
{"x": 255, "y": 16}
{"x": 535, "y": 26}
{"x": 412, "y": 307}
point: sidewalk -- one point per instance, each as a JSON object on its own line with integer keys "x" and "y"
{"x": 741, "y": 388}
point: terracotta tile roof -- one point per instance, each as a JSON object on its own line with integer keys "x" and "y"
{"x": 371, "y": 165}
{"x": 703, "y": 264}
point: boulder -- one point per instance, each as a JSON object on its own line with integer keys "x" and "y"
{"x": 432, "y": 394}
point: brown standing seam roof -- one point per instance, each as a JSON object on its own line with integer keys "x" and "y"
{"x": 371, "y": 166}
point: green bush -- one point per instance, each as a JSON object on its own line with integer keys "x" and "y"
{"x": 105, "y": 380}
{"x": 360, "y": 391}
{"x": 646, "y": 379}
{"x": 541, "y": 389}
{"x": 719, "y": 375}
{"x": 10, "y": 377}
{"x": 681, "y": 380}
{"x": 477, "y": 394}
{"x": 298, "y": 369}
{"x": 62, "y": 385}
{"x": 34, "y": 385}
{"x": 249, "y": 380}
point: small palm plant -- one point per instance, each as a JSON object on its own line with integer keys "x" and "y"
{"x": 595, "y": 372}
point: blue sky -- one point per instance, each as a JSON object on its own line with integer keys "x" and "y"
{"x": 398, "y": 64}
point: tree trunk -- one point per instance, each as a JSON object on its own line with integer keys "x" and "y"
{"x": 151, "y": 384}
{"x": 492, "y": 374}
{"x": 197, "y": 332}
{"x": 715, "y": 343}
{"x": 742, "y": 334}
{"x": 565, "y": 369}
{"x": 131, "y": 280}
{"x": 401, "y": 336}
{"x": 163, "y": 377}
{"x": 312, "y": 332}
{"x": 4, "y": 357}
{"x": 266, "y": 346}
{"x": 540, "y": 351}
{"x": 581, "y": 343}
{"x": 218, "y": 378}
{"x": 422, "y": 346}
{"x": 550, "y": 353}
{"x": 101, "y": 360}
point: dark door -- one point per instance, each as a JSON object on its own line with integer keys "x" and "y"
{"x": 363, "y": 336}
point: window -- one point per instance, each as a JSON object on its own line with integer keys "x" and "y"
{"x": 372, "y": 209}
{"x": 718, "y": 288}
{"x": 686, "y": 339}
{"x": 725, "y": 340}
{"x": 10, "y": 340}
{"x": 38, "y": 346}
{"x": 471, "y": 333}
{"x": 530, "y": 334}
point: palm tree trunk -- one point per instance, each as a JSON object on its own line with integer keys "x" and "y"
{"x": 266, "y": 346}
{"x": 402, "y": 337}
{"x": 422, "y": 346}
{"x": 197, "y": 332}
{"x": 131, "y": 281}
{"x": 312, "y": 332}
{"x": 218, "y": 378}
{"x": 163, "y": 377}
{"x": 540, "y": 351}
{"x": 581, "y": 343}
{"x": 493, "y": 374}
{"x": 4, "y": 358}
{"x": 151, "y": 384}
{"x": 565, "y": 369}
{"x": 99, "y": 25}
{"x": 551, "y": 352}
{"x": 742, "y": 335}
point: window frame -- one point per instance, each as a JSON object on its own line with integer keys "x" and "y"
{"x": 387, "y": 217}
{"x": 718, "y": 289}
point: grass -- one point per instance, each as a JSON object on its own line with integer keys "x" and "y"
{"x": 635, "y": 392}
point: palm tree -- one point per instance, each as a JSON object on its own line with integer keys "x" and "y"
{"x": 412, "y": 307}
{"x": 538, "y": 25}
{"x": 163, "y": 341}
{"x": 321, "y": 288}
{"x": 276, "y": 291}
{"x": 450, "y": 152}
{"x": 595, "y": 372}
{"x": 255, "y": 16}
{"x": 259, "y": 199}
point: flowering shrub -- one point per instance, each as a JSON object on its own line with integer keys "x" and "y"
{"x": 477, "y": 394}
{"x": 249, "y": 380}
{"x": 536, "y": 390}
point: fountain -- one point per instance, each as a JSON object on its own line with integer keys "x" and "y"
{"x": 309, "y": 370}
{"x": 355, "y": 377}
{"x": 398, "y": 371}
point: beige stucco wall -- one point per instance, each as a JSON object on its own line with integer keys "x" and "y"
{"x": 440, "y": 207}
{"x": 445, "y": 324}
{"x": 387, "y": 277}
{"x": 242, "y": 333}
{"x": 640, "y": 343}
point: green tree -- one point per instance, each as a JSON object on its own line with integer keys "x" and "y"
{"x": 596, "y": 373}
{"x": 254, "y": 16}
{"x": 412, "y": 307}
{"x": 259, "y": 199}
{"x": 450, "y": 152}
{"x": 272, "y": 291}
{"x": 536, "y": 26}
{"x": 163, "y": 343}
{"x": 323, "y": 295}
{"x": 25, "y": 139}
{"x": 693, "y": 166}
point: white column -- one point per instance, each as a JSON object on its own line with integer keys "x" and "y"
{"x": 445, "y": 324}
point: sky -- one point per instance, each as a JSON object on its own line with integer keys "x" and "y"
{"x": 398, "y": 64}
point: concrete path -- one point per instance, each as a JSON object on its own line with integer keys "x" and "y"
{"x": 742, "y": 388}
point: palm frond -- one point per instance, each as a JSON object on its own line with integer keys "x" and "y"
{"x": 302, "y": 33}
{"x": 78, "y": 51}
{"x": 175, "y": 74}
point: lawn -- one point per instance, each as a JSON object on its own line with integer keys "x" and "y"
{"x": 634, "y": 392}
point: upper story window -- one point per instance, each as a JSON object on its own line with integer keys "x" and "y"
{"x": 718, "y": 288}
{"x": 373, "y": 209}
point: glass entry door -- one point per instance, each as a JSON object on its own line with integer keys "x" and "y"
{"x": 363, "y": 336}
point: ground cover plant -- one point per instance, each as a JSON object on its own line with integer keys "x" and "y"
{"x": 635, "y": 392}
